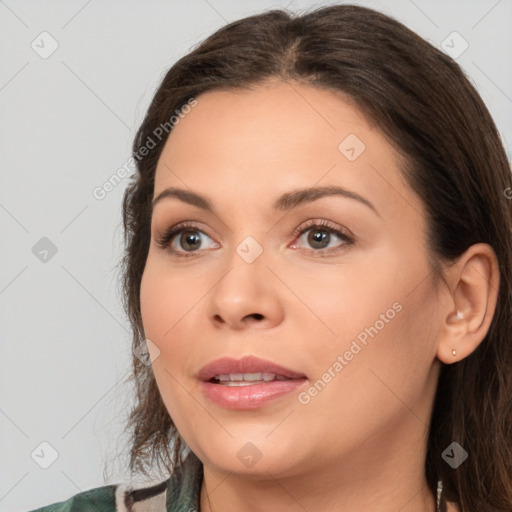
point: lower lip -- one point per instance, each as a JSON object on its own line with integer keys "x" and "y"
{"x": 249, "y": 397}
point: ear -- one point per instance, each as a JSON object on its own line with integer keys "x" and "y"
{"x": 473, "y": 284}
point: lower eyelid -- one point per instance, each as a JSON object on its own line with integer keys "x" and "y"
{"x": 345, "y": 242}
{"x": 344, "y": 238}
{"x": 177, "y": 234}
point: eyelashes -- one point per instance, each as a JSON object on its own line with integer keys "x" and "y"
{"x": 165, "y": 239}
{"x": 191, "y": 234}
{"x": 326, "y": 227}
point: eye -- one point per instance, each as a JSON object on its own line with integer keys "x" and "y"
{"x": 321, "y": 236}
{"x": 186, "y": 239}
{"x": 183, "y": 240}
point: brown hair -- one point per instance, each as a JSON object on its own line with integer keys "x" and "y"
{"x": 429, "y": 111}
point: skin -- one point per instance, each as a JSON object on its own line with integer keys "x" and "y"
{"x": 360, "y": 443}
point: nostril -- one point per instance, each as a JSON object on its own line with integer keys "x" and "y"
{"x": 218, "y": 318}
{"x": 252, "y": 316}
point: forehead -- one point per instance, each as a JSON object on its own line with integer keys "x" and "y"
{"x": 278, "y": 137}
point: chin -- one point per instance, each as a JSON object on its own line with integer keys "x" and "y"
{"x": 253, "y": 455}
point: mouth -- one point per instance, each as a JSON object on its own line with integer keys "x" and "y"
{"x": 248, "y": 369}
{"x": 247, "y": 383}
{"x": 245, "y": 379}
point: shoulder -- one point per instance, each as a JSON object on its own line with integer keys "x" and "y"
{"x": 113, "y": 498}
{"x": 179, "y": 492}
{"x": 452, "y": 507}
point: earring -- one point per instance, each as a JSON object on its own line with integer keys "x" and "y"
{"x": 454, "y": 352}
{"x": 460, "y": 315}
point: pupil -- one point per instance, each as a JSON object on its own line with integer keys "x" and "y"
{"x": 318, "y": 238}
{"x": 190, "y": 238}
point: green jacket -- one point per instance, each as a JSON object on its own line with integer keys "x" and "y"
{"x": 179, "y": 493}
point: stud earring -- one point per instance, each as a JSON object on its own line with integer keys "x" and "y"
{"x": 454, "y": 352}
{"x": 460, "y": 315}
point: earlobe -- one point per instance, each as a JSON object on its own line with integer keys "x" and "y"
{"x": 473, "y": 293}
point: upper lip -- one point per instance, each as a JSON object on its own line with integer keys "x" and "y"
{"x": 247, "y": 364}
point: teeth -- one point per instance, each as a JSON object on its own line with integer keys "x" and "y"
{"x": 245, "y": 379}
{"x": 252, "y": 376}
{"x": 238, "y": 383}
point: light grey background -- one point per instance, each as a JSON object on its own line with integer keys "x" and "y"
{"x": 67, "y": 122}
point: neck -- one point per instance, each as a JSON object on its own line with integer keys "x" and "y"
{"x": 235, "y": 494}
{"x": 382, "y": 476}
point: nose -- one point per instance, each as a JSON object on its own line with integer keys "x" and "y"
{"x": 247, "y": 296}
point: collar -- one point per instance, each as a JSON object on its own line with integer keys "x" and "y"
{"x": 180, "y": 492}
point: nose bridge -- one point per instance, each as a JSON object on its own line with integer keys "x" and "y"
{"x": 246, "y": 293}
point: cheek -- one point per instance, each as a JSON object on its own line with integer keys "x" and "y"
{"x": 172, "y": 308}
{"x": 379, "y": 365}
{"x": 165, "y": 303}
{"x": 344, "y": 299}
{"x": 377, "y": 325}
{"x": 166, "y": 297}
{"x": 165, "y": 300}
{"x": 154, "y": 305}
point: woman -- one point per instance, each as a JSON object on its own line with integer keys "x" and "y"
{"x": 318, "y": 269}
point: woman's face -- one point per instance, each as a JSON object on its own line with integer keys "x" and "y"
{"x": 348, "y": 306}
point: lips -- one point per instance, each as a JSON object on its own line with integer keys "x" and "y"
{"x": 247, "y": 365}
{"x": 248, "y": 383}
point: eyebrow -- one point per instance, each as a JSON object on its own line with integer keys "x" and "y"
{"x": 286, "y": 201}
